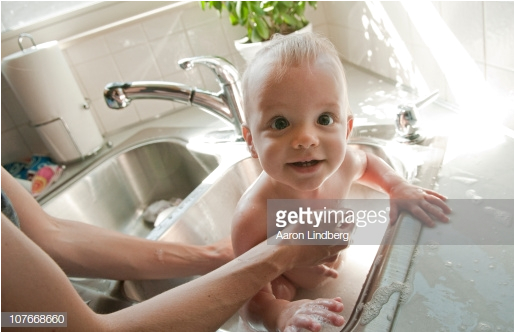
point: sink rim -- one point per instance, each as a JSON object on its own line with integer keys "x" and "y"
{"x": 225, "y": 166}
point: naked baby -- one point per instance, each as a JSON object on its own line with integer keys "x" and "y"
{"x": 297, "y": 124}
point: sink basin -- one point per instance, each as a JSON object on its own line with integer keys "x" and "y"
{"x": 116, "y": 188}
{"x": 114, "y": 192}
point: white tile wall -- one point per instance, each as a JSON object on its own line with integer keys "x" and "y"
{"x": 379, "y": 36}
{"x": 382, "y": 37}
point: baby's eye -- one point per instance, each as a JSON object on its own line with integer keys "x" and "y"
{"x": 325, "y": 120}
{"x": 280, "y": 123}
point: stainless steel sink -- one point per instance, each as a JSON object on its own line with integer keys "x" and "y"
{"x": 211, "y": 177}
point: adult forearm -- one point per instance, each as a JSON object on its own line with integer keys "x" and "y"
{"x": 263, "y": 310}
{"x": 206, "y": 303}
{"x": 201, "y": 305}
{"x": 88, "y": 251}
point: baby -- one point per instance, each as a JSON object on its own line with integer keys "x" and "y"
{"x": 297, "y": 125}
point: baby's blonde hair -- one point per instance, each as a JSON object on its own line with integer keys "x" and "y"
{"x": 285, "y": 51}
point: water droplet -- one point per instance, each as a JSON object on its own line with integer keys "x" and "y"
{"x": 433, "y": 245}
{"x": 471, "y": 194}
{"x": 484, "y": 327}
{"x": 464, "y": 180}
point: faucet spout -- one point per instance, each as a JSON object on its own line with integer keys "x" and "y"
{"x": 119, "y": 95}
{"x": 225, "y": 104}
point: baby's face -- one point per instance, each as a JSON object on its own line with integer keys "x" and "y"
{"x": 297, "y": 126}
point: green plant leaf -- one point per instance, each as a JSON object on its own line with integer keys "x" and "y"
{"x": 234, "y": 19}
{"x": 262, "y": 28}
{"x": 299, "y": 10}
{"x": 288, "y": 19}
{"x": 239, "y": 9}
{"x": 254, "y": 36}
{"x": 284, "y": 5}
{"x": 256, "y": 8}
{"x": 217, "y": 5}
{"x": 263, "y": 18}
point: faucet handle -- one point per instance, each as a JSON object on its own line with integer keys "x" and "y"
{"x": 407, "y": 119}
{"x": 406, "y": 122}
{"x": 225, "y": 72}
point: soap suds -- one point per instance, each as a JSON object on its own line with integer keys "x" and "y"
{"x": 381, "y": 297}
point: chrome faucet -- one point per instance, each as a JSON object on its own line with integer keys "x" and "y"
{"x": 225, "y": 104}
{"x": 406, "y": 122}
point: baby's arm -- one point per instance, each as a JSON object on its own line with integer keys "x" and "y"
{"x": 425, "y": 205}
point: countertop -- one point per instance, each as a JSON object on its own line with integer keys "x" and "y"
{"x": 455, "y": 285}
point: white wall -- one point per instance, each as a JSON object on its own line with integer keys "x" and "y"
{"x": 379, "y": 36}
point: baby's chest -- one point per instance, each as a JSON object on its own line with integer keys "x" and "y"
{"x": 338, "y": 187}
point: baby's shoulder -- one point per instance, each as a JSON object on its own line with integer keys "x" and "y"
{"x": 354, "y": 154}
{"x": 355, "y": 161}
{"x": 249, "y": 222}
{"x": 250, "y": 207}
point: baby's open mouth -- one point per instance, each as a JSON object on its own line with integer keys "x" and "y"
{"x": 305, "y": 164}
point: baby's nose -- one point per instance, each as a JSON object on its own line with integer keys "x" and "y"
{"x": 305, "y": 138}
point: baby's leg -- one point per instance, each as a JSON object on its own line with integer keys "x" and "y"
{"x": 283, "y": 288}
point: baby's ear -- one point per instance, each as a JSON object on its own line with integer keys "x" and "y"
{"x": 350, "y": 124}
{"x": 248, "y": 139}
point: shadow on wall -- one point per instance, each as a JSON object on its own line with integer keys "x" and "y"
{"x": 385, "y": 51}
{"x": 413, "y": 45}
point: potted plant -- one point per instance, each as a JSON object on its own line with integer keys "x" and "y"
{"x": 262, "y": 19}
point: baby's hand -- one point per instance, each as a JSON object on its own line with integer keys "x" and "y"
{"x": 311, "y": 315}
{"x": 423, "y": 204}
